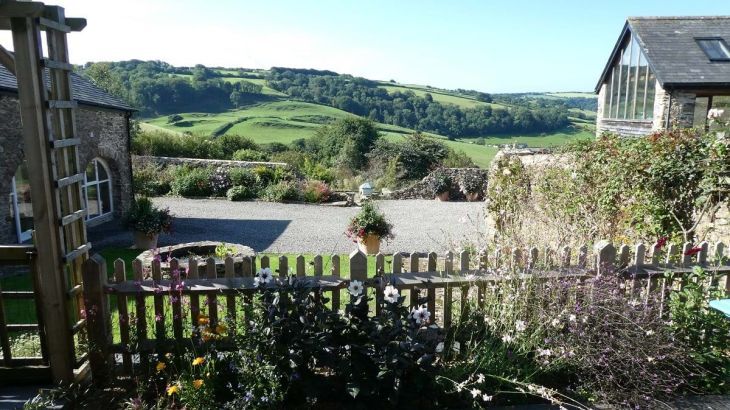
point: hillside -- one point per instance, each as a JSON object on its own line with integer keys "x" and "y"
{"x": 284, "y": 105}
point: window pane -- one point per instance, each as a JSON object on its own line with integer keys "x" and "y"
{"x": 623, "y": 83}
{"x": 721, "y": 102}
{"x": 632, "y": 79}
{"x": 650, "y": 91}
{"x": 92, "y": 205}
{"x": 640, "y": 88}
{"x": 700, "y": 115}
{"x": 102, "y": 175}
{"x": 91, "y": 171}
{"x": 716, "y": 49}
{"x": 105, "y": 195}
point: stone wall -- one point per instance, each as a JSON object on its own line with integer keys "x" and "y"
{"x": 104, "y": 134}
{"x": 717, "y": 227}
{"x": 197, "y": 162}
{"x": 422, "y": 190}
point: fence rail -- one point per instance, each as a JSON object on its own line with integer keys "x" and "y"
{"x": 156, "y": 312}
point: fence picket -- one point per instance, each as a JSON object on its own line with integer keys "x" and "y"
{"x": 194, "y": 298}
{"x": 231, "y": 299}
{"x": 413, "y": 293}
{"x": 582, "y": 256}
{"x": 448, "y": 291}
{"x": 565, "y": 257}
{"x": 335, "y": 261}
{"x": 532, "y": 258}
{"x": 176, "y": 299}
{"x": 702, "y": 256}
{"x": 516, "y": 259}
{"x": 301, "y": 267}
{"x": 432, "y": 263}
{"x": 686, "y": 256}
{"x": 497, "y": 257}
{"x": 605, "y": 258}
{"x": 140, "y": 307}
{"x": 98, "y": 324}
{"x": 124, "y": 318}
{"x": 317, "y": 265}
{"x": 397, "y": 263}
{"x": 623, "y": 256}
{"x": 283, "y": 266}
{"x": 359, "y": 268}
{"x": 211, "y": 273}
{"x": 264, "y": 262}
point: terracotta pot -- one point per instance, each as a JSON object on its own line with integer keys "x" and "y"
{"x": 444, "y": 196}
{"x": 143, "y": 241}
{"x": 369, "y": 245}
{"x": 472, "y": 196}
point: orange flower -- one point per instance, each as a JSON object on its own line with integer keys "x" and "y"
{"x": 160, "y": 366}
{"x": 175, "y": 388}
{"x": 203, "y": 320}
{"x": 198, "y": 383}
{"x": 221, "y": 329}
{"x": 198, "y": 361}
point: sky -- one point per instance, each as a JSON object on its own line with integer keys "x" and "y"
{"x": 490, "y": 46}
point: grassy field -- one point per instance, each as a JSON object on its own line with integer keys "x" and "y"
{"x": 537, "y": 140}
{"x": 441, "y": 97}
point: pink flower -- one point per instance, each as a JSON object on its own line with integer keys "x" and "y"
{"x": 693, "y": 251}
{"x": 661, "y": 242}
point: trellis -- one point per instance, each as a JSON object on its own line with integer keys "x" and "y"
{"x": 51, "y": 150}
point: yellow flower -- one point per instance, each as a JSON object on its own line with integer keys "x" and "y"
{"x": 203, "y": 320}
{"x": 221, "y": 329}
{"x": 198, "y": 360}
{"x": 198, "y": 383}
{"x": 160, "y": 366}
{"x": 173, "y": 389}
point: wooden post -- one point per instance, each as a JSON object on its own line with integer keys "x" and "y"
{"x": 335, "y": 260}
{"x": 413, "y": 293}
{"x": 301, "y": 267}
{"x": 464, "y": 290}
{"x": 448, "y": 290}
{"x": 432, "y": 259}
{"x": 605, "y": 258}
{"x": 283, "y": 266}
{"x": 317, "y": 263}
{"x": 52, "y": 284}
{"x": 397, "y": 263}
{"x": 124, "y": 319}
{"x": 623, "y": 256}
{"x": 359, "y": 268}
{"x": 97, "y": 319}
{"x": 565, "y": 257}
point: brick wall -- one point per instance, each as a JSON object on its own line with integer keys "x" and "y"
{"x": 104, "y": 134}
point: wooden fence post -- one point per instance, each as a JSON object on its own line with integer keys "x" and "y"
{"x": 98, "y": 318}
{"x": 432, "y": 259}
{"x": 335, "y": 260}
{"x": 359, "y": 269}
{"x": 605, "y": 258}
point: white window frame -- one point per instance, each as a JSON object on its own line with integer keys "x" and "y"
{"x": 98, "y": 183}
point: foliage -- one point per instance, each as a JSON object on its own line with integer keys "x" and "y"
{"x": 705, "y": 331}
{"x": 144, "y": 217}
{"x": 439, "y": 183}
{"x": 416, "y": 155}
{"x": 241, "y": 193}
{"x": 220, "y": 181}
{"x": 250, "y": 155}
{"x": 193, "y": 182}
{"x": 344, "y": 142}
{"x": 242, "y": 177}
{"x": 281, "y": 191}
{"x": 316, "y": 192}
{"x": 473, "y": 183}
{"x": 222, "y": 250}
{"x": 621, "y": 189}
{"x": 369, "y": 221}
{"x": 149, "y": 179}
{"x": 164, "y": 144}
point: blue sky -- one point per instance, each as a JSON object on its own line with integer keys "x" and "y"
{"x": 505, "y": 46}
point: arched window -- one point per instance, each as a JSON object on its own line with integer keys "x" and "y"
{"x": 97, "y": 190}
{"x": 21, "y": 207}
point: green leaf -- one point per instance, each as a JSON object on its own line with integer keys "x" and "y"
{"x": 353, "y": 390}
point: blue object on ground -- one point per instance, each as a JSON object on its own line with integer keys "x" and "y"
{"x": 723, "y": 305}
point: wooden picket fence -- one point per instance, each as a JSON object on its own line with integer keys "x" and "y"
{"x": 156, "y": 313}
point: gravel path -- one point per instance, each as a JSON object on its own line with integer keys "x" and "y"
{"x": 419, "y": 225}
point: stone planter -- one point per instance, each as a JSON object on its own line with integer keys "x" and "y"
{"x": 369, "y": 245}
{"x": 202, "y": 251}
{"x": 472, "y": 196}
{"x": 443, "y": 197}
{"x": 144, "y": 241}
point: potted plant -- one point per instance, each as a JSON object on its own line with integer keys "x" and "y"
{"x": 440, "y": 186}
{"x": 147, "y": 221}
{"x": 472, "y": 185}
{"x": 368, "y": 228}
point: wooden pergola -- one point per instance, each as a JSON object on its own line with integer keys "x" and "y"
{"x": 50, "y": 142}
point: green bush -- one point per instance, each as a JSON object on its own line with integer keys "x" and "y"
{"x": 316, "y": 192}
{"x": 242, "y": 177}
{"x": 250, "y": 155}
{"x": 231, "y": 143}
{"x": 265, "y": 176}
{"x": 241, "y": 193}
{"x": 195, "y": 182}
{"x": 144, "y": 217}
{"x": 282, "y": 191}
{"x": 150, "y": 180}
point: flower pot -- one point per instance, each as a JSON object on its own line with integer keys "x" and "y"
{"x": 369, "y": 245}
{"x": 444, "y": 196}
{"x": 472, "y": 196}
{"x": 144, "y": 241}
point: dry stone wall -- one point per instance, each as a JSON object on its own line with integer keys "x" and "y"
{"x": 422, "y": 188}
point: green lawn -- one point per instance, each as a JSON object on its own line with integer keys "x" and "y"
{"x": 440, "y": 96}
{"x": 538, "y": 140}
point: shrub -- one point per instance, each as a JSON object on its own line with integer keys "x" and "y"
{"x": 369, "y": 221}
{"x": 242, "y": 177}
{"x": 265, "y": 176}
{"x": 473, "y": 182}
{"x": 439, "y": 183}
{"x": 149, "y": 179}
{"x": 281, "y": 191}
{"x": 241, "y": 193}
{"x": 220, "y": 182}
{"x": 250, "y": 155}
{"x": 144, "y": 217}
{"x": 316, "y": 191}
{"x": 232, "y": 143}
{"x": 195, "y": 182}
{"x": 318, "y": 172}
{"x": 174, "y": 118}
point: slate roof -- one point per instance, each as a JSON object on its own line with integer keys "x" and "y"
{"x": 673, "y": 53}
{"x": 83, "y": 90}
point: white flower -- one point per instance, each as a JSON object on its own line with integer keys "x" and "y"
{"x": 355, "y": 288}
{"x": 487, "y": 397}
{"x": 715, "y": 113}
{"x": 555, "y": 322}
{"x": 507, "y": 338}
{"x": 649, "y": 359}
{"x": 475, "y": 393}
{"x": 544, "y": 352}
{"x": 265, "y": 276}
{"x": 390, "y": 294}
{"x": 480, "y": 378}
{"x": 649, "y": 332}
{"x": 506, "y": 172}
{"x": 520, "y": 326}
{"x": 421, "y": 315}
{"x": 572, "y": 318}
{"x": 257, "y": 281}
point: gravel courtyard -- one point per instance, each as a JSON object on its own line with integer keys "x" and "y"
{"x": 419, "y": 225}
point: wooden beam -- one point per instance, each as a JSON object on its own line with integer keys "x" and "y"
{"x": 7, "y": 59}
{"x": 11, "y": 9}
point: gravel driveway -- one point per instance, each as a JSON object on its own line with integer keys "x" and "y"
{"x": 419, "y": 225}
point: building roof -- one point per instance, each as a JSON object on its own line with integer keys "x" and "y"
{"x": 670, "y": 47}
{"x": 83, "y": 91}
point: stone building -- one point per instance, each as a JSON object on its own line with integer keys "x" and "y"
{"x": 665, "y": 71}
{"x": 102, "y": 123}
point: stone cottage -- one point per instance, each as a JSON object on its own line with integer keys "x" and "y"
{"x": 665, "y": 71}
{"x": 102, "y": 123}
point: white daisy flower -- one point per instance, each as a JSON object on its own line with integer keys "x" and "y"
{"x": 390, "y": 294}
{"x": 420, "y": 315}
{"x": 265, "y": 275}
{"x": 572, "y": 318}
{"x": 480, "y": 378}
{"x": 507, "y": 338}
{"x": 355, "y": 288}
{"x": 520, "y": 326}
{"x": 487, "y": 397}
{"x": 475, "y": 393}
{"x": 555, "y": 322}
{"x": 715, "y": 113}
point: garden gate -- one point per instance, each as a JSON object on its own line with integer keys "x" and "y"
{"x": 50, "y": 144}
